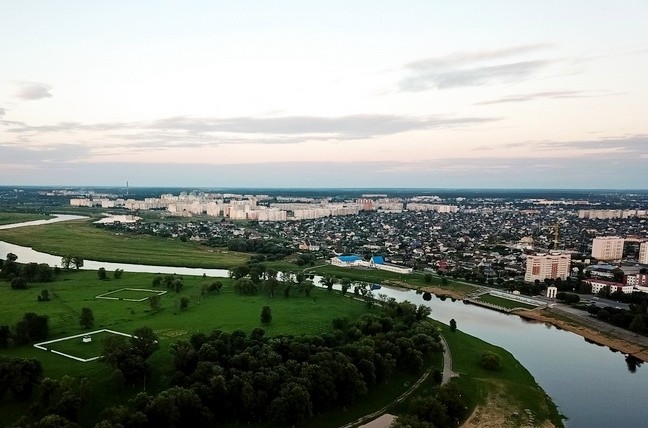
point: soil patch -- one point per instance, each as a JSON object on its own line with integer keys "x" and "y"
{"x": 497, "y": 412}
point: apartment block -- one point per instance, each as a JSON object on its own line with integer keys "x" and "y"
{"x": 543, "y": 266}
{"x": 607, "y": 248}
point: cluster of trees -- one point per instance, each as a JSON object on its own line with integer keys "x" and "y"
{"x": 31, "y": 328}
{"x": 260, "y": 246}
{"x": 53, "y": 403}
{"x": 20, "y": 275}
{"x": 249, "y": 378}
{"x": 128, "y": 356}
{"x": 69, "y": 261}
{"x": 102, "y": 274}
{"x": 19, "y": 376}
{"x": 444, "y": 408}
{"x": 634, "y": 319}
{"x": 172, "y": 282}
{"x": 252, "y": 278}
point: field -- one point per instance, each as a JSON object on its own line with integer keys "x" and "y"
{"x": 226, "y": 310}
{"x": 76, "y": 346}
{"x": 505, "y": 303}
{"x": 11, "y": 217}
{"x": 81, "y": 238}
{"x": 130, "y": 294}
{"x": 497, "y": 395}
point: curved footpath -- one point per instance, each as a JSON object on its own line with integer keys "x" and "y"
{"x": 446, "y": 376}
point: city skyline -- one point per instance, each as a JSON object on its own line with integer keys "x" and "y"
{"x": 355, "y": 94}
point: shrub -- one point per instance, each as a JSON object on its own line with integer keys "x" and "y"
{"x": 490, "y": 360}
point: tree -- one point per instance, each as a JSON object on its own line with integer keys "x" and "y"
{"x": 66, "y": 261}
{"x": 215, "y": 286}
{"x": 12, "y": 257}
{"x": 87, "y": 318}
{"x": 453, "y": 325}
{"x": 638, "y": 325}
{"x": 32, "y": 327}
{"x": 346, "y": 284}
{"x": 101, "y": 273}
{"x": 266, "y": 315}
{"x": 245, "y": 286}
{"x": 184, "y": 303}
{"x": 19, "y": 376}
{"x": 19, "y": 283}
{"x": 144, "y": 342}
{"x": 154, "y": 302}
{"x": 490, "y": 360}
{"x": 118, "y": 273}
{"x": 329, "y": 281}
{"x": 77, "y": 262}
{"x": 44, "y": 296}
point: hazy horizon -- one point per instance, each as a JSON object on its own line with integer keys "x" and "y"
{"x": 360, "y": 94}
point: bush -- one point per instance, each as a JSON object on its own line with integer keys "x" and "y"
{"x": 18, "y": 283}
{"x": 490, "y": 361}
{"x": 266, "y": 315}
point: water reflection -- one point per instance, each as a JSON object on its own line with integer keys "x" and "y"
{"x": 633, "y": 363}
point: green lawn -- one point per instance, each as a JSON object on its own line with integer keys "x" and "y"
{"x": 76, "y": 347}
{"x": 81, "y": 238}
{"x": 11, "y": 217}
{"x": 130, "y": 294}
{"x": 512, "y": 382}
{"x": 505, "y": 303}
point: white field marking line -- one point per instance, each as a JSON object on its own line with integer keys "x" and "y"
{"x": 105, "y": 295}
{"x": 90, "y": 333}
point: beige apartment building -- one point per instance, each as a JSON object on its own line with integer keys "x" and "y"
{"x": 542, "y": 266}
{"x": 643, "y": 253}
{"x": 607, "y": 248}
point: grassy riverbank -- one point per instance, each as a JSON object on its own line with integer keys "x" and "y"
{"x": 14, "y": 217}
{"x": 81, "y": 238}
{"x": 508, "y": 396}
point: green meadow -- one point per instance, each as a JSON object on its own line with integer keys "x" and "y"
{"x": 505, "y": 303}
{"x": 11, "y": 217}
{"x": 226, "y": 310}
{"x": 81, "y": 238}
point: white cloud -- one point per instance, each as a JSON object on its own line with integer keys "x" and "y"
{"x": 33, "y": 91}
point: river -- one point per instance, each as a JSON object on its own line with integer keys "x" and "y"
{"x": 590, "y": 384}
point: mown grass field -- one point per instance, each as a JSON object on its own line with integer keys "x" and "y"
{"x": 505, "y": 303}
{"x": 11, "y": 217}
{"x": 81, "y": 238}
{"x": 512, "y": 383}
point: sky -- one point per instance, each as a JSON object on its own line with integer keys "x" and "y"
{"x": 430, "y": 94}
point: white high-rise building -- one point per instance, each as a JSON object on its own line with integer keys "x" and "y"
{"x": 607, "y": 248}
{"x": 543, "y": 266}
